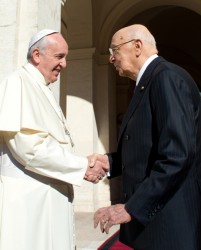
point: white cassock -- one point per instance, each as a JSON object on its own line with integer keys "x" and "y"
{"x": 37, "y": 167}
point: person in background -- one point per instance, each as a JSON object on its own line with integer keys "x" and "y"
{"x": 159, "y": 150}
{"x": 38, "y": 167}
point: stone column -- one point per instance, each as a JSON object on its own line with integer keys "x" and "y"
{"x": 80, "y": 115}
{"x": 104, "y": 89}
{"x": 91, "y": 115}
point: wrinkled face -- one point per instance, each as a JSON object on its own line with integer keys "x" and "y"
{"x": 122, "y": 55}
{"x": 53, "y": 59}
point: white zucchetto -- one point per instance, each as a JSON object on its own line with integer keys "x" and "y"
{"x": 35, "y": 38}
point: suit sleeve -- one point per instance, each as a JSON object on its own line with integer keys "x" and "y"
{"x": 174, "y": 119}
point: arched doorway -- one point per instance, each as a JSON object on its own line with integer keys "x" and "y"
{"x": 178, "y": 39}
{"x": 176, "y": 30}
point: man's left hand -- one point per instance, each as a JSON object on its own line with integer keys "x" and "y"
{"x": 109, "y": 216}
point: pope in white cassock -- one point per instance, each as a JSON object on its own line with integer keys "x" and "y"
{"x": 37, "y": 165}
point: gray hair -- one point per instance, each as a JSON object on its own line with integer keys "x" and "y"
{"x": 146, "y": 37}
{"x": 141, "y": 32}
{"x": 42, "y": 45}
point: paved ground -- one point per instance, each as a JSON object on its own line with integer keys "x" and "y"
{"x": 87, "y": 237}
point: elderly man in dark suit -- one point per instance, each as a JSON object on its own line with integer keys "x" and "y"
{"x": 159, "y": 150}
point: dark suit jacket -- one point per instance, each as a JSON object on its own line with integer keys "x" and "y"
{"x": 158, "y": 156}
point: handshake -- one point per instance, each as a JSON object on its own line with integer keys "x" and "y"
{"x": 98, "y": 166}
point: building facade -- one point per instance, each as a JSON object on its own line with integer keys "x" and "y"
{"x": 90, "y": 92}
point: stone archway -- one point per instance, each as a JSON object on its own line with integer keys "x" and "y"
{"x": 178, "y": 38}
{"x": 177, "y": 41}
{"x": 175, "y": 27}
{"x": 176, "y": 31}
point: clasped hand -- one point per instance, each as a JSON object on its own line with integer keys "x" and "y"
{"x": 98, "y": 166}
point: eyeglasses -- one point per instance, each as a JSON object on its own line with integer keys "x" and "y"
{"x": 117, "y": 47}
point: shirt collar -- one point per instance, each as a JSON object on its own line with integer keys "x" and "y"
{"x": 142, "y": 70}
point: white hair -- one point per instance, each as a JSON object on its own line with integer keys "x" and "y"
{"x": 42, "y": 45}
{"x": 138, "y": 31}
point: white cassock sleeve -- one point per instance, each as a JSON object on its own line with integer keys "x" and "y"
{"x": 41, "y": 153}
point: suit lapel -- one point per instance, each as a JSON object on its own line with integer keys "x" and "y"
{"x": 138, "y": 94}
